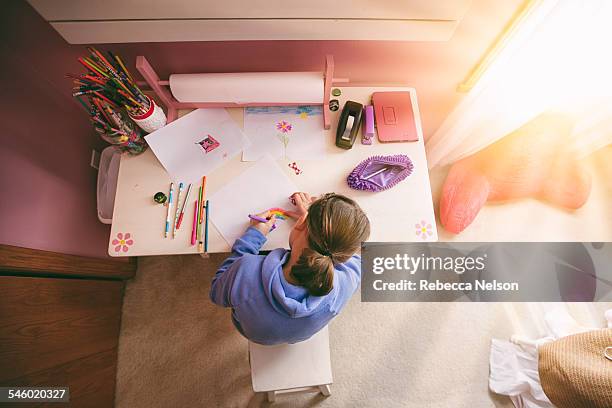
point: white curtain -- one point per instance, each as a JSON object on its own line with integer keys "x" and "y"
{"x": 559, "y": 59}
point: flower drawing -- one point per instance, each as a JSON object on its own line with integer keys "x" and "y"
{"x": 123, "y": 242}
{"x": 423, "y": 230}
{"x": 284, "y": 126}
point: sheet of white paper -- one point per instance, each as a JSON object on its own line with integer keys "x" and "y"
{"x": 186, "y": 147}
{"x": 259, "y": 188}
{"x": 284, "y": 132}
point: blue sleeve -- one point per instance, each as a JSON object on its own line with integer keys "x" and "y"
{"x": 354, "y": 271}
{"x": 249, "y": 243}
{"x": 349, "y": 278}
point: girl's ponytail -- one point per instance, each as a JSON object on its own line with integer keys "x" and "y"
{"x": 336, "y": 228}
{"x": 315, "y": 272}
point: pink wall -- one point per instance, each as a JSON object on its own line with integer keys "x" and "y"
{"x": 47, "y": 186}
{"x": 433, "y": 68}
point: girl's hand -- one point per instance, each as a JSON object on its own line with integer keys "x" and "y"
{"x": 302, "y": 202}
{"x": 264, "y": 227}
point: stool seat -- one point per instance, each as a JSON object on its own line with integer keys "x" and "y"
{"x": 287, "y": 368}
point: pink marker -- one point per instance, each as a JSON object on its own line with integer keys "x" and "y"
{"x": 195, "y": 223}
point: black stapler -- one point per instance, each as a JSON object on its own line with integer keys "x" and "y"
{"x": 348, "y": 124}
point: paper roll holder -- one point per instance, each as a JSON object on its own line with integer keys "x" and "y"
{"x": 162, "y": 91}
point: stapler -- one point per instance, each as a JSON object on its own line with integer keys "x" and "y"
{"x": 348, "y": 124}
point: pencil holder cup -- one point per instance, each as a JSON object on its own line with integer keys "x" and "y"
{"x": 127, "y": 137}
{"x": 154, "y": 118}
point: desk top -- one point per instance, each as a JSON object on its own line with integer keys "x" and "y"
{"x": 138, "y": 222}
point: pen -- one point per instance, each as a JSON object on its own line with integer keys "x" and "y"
{"x": 176, "y": 210}
{"x": 375, "y": 173}
{"x": 202, "y": 198}
{"x": 169, "y": 209}
{"x": 195, "y": 223}
{"x": 180, "y": 218}
{"x": 261, "y": 219}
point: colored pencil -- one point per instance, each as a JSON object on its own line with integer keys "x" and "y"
{"x": 180, "y": 218}
{"x": 203, "y": 245}
{"x": 84, "y": 105}
{"x": 195, "y": 223}
{"x": 201, "y": 221}
{"x": 110, "y": 81}
{"x": 202, "y": 198}
{"x": 176, "y": 210}
{"x": 170, "y": 194}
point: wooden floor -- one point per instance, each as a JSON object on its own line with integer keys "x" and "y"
{"x": 60, "y": 319}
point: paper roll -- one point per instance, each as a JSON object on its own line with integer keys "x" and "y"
{"x": 252, "y": 87}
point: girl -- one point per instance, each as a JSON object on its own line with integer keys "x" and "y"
{"x": 287, "y": 296}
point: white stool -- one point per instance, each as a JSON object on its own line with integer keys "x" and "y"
{"x": 292, "y": 368}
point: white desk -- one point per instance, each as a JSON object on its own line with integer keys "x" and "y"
{"x": 393, "y": 213}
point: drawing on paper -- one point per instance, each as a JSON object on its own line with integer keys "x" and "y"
{"x": 284, "y": 132}
{"x": 296, "y": 169}
{"x": 304, "y": 111}
{"x": 267, "y": 186}
{"x": 209, "y": 144}
{"x": 284, "y": 127}
{"x": 278, "y": 212}
{"x": 197, "y": 143}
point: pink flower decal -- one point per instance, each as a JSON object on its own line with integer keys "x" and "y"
{"x": 423, "y": 230}
{"x": 123, "y": 242}
{"x": 284, "y": 126}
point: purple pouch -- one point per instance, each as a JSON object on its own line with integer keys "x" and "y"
{"x": 379, "y": 173}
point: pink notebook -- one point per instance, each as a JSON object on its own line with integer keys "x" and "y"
{"x": 394, "y": 117}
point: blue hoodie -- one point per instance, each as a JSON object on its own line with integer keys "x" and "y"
{"x": 267, "y": 309}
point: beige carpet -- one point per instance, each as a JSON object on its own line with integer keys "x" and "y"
{"x": 178, "y": 350}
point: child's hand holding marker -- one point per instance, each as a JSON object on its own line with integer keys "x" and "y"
{"x": 263, "y": 222}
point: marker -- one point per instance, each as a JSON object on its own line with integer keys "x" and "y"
{"x": 168, "y": 210}
{"x": 261, "y": 219}
{"x": 180, "y": 218}
{"x": 176, "y": 210}
{"x": 199, "y": 214}
{"x": 195, "y": 223}
{"x": 206, "y": 229}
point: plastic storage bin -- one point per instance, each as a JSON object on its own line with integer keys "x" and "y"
{"x": 108, "y": 172}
